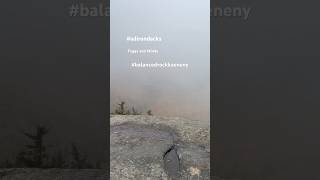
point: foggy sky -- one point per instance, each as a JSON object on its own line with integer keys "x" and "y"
{"x": 185, "y": 29}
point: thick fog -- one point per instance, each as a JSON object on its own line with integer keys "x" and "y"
{"x": 53, "y": 72}
{"x": 184, "y": 27}
{"x": 266, "y": 95}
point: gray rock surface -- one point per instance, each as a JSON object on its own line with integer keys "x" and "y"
{"x": 158, "y": 148}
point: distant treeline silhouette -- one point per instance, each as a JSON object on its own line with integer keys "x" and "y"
{"x": 123, "y": 110}
{"x": 35, "y": 155}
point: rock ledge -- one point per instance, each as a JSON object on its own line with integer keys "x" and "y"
{"x": 152, "y": 147}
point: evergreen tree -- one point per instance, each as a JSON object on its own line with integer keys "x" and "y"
{"x": 121, "y": 108}
{"x": 149, "y": 113}
{"x": 79, "y": 161}
{"x": 34, "y": 154}
{"x": 134, "y": 112}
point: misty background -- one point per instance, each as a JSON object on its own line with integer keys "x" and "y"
{"x": 184, "y": 26}
{"x": 266, "y": 91}
{"x": 53, "y": 71}
{"x": 266, "y": 94}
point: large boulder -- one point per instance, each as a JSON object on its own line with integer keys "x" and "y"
{"x": 156, "y": 148}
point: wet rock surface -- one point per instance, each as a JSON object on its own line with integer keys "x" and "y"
{"x": 156, "y": 148}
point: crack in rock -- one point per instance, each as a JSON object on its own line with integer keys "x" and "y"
{"x": 158, "y": 148}
{"x": 172, "y": 163}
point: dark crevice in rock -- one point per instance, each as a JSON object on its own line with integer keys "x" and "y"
{"x": 169, "y": 150}
{"x": 172, "y": 163}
